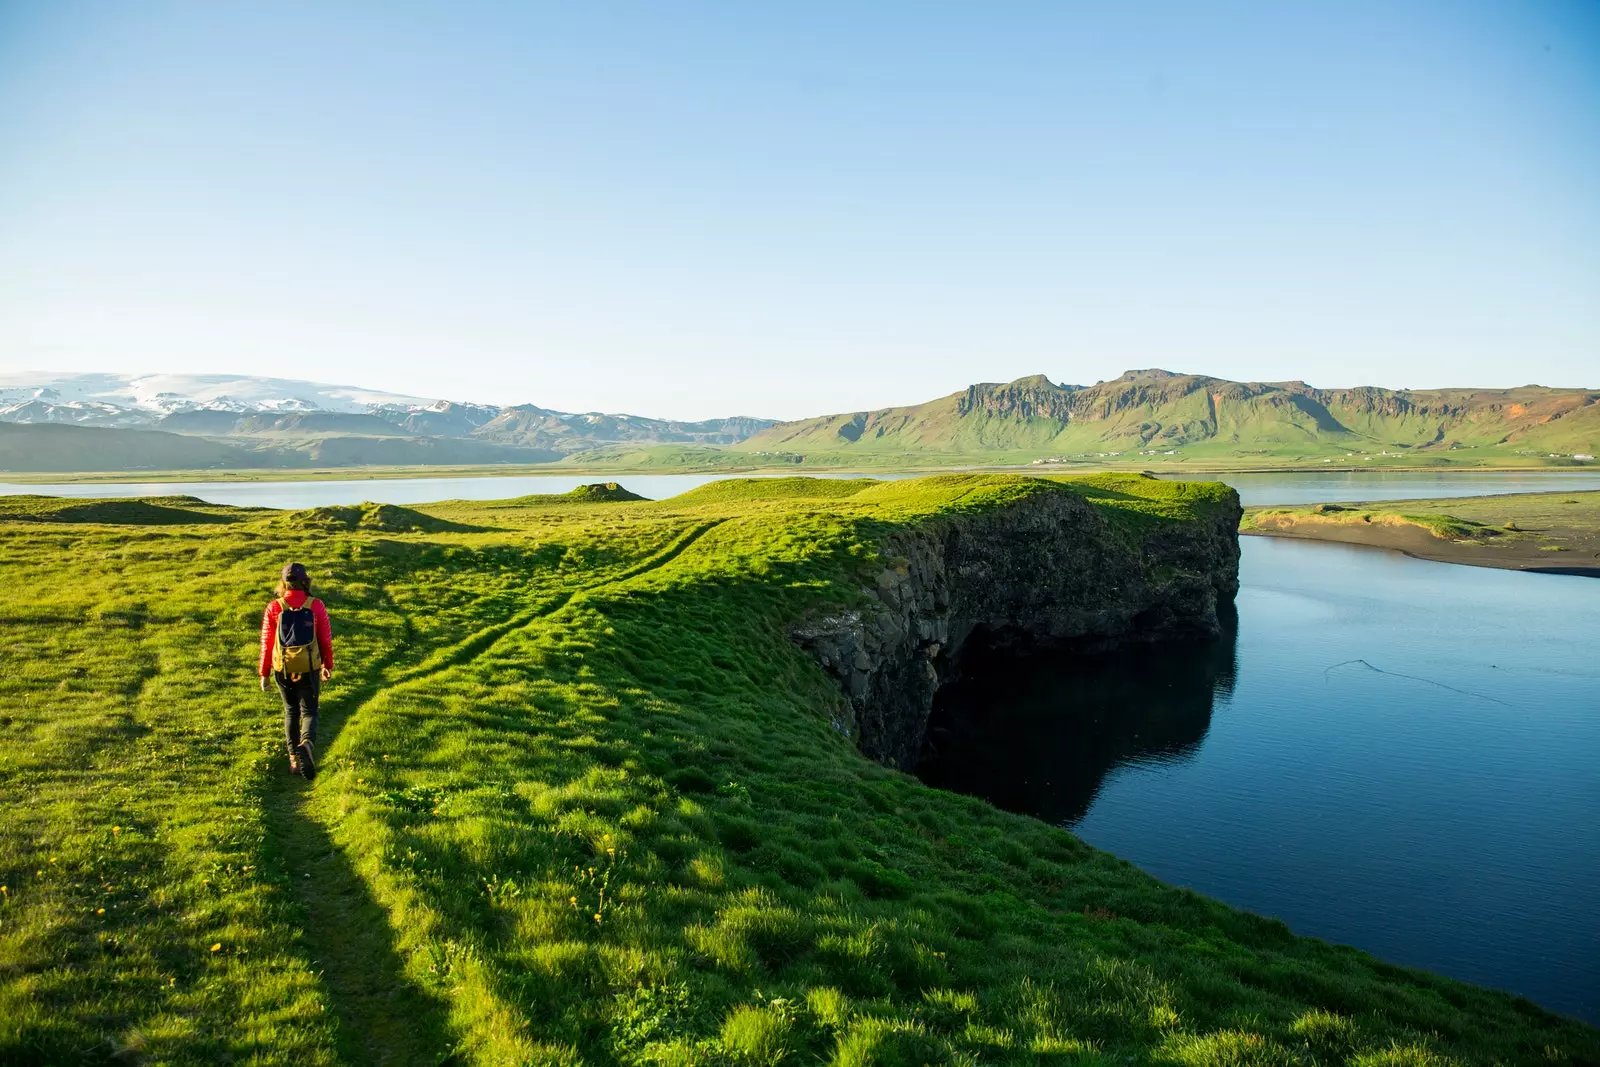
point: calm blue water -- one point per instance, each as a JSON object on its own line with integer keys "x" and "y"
{"x": 1284, "y": 488}
{"x": 312, "y": 494}
{"x": 1395, "y": 754}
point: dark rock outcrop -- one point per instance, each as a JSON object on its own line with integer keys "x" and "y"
{"x": 1048, "y": 571}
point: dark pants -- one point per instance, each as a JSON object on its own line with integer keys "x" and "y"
{"x": 299, "y": 706}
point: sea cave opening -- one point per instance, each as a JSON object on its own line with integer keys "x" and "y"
{"x": 1037, "y": 731}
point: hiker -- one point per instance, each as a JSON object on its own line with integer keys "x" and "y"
{"x": 297, "y": 652}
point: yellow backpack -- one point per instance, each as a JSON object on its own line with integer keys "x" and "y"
{"x": 295, "y": 652}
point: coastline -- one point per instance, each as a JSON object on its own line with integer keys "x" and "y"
{"x": 954, "y": 465}
{"x": 1541, "y": 533}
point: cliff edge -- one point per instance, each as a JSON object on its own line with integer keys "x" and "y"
{"x": 1053, "y": 568}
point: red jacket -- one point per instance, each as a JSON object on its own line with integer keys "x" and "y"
{"x": 269, "y": 629}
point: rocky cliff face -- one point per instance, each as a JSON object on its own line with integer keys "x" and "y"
{"x": 1045, "y": 572}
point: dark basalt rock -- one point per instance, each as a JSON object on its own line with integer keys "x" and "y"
{"x": 1045, "y": 572}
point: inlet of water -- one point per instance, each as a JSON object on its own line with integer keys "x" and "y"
{"x": 1395, "y": 754}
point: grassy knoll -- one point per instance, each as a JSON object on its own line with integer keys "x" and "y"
{"x": 1520, "y": 531}
{"x": 582, "y": 803}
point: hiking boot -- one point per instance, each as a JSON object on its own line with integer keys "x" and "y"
{"x": 294, "y": 761}
{"x": 308, "y": 760}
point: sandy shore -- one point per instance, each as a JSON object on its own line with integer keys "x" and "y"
{"x": 1548, "y": 533}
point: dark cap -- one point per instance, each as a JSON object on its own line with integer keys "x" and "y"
{"x": 294, "y": 572}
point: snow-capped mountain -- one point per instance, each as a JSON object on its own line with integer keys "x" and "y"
{"x": 98, "y": 395}
{"x": 236, "y": 407}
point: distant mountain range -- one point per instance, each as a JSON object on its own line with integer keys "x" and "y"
{"x": 116, "y": 422}
{"x": 272, "y": 422}
{"x": 1156, "y": 412}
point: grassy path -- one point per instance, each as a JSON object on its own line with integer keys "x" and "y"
{"x": 384, "y": 1016}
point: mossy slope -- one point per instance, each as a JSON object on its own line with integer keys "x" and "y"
{"x": 146, "y": 511}
{"x": 386, "y": 518}
{"x": 582, "y": 803}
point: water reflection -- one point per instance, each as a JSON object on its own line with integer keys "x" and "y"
{"x": 1039, "y": 733}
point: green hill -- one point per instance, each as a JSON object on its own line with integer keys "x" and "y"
{"x": 1152, "y": 412}
{"x": 51, "y": 447}
{"x": 585, "y": 800}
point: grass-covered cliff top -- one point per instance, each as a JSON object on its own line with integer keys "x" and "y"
{"x": 582, "y": 803}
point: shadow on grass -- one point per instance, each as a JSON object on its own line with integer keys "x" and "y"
{"x": 384, "y": 1017}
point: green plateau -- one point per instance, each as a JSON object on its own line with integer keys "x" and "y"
{"x": 584, "y": 799}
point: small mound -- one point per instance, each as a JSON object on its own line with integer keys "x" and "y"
{"x": 177, "y": 500}
{"x": 798, "y": 487}
{"x": 594, "y": 493}
{"x": 601, "y": 492}
{"x": 110, "y": 511}
{"x": 384, "y": 518}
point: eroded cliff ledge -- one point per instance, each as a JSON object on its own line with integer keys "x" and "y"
{"x": 1051, "y": 570}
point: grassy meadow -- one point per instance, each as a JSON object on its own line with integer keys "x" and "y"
{"x": 581, "y": 803}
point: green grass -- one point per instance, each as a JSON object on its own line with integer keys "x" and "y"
{"x": 582, "y": 803}
{"x": 733, "y": 490}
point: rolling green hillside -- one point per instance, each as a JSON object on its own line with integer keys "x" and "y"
{"x": 39, "y": 448}
{"x": 584, "y": 800}
{"x": 1153, "y": 412}
{"x": 49, "y": 447}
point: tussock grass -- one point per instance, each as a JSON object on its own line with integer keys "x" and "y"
{"x": 596, "y": 493}
{"x": 385, "y": 518}
{"x": 581, "y": 802}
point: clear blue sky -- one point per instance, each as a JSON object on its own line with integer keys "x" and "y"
{"x": 698, "y": 209}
